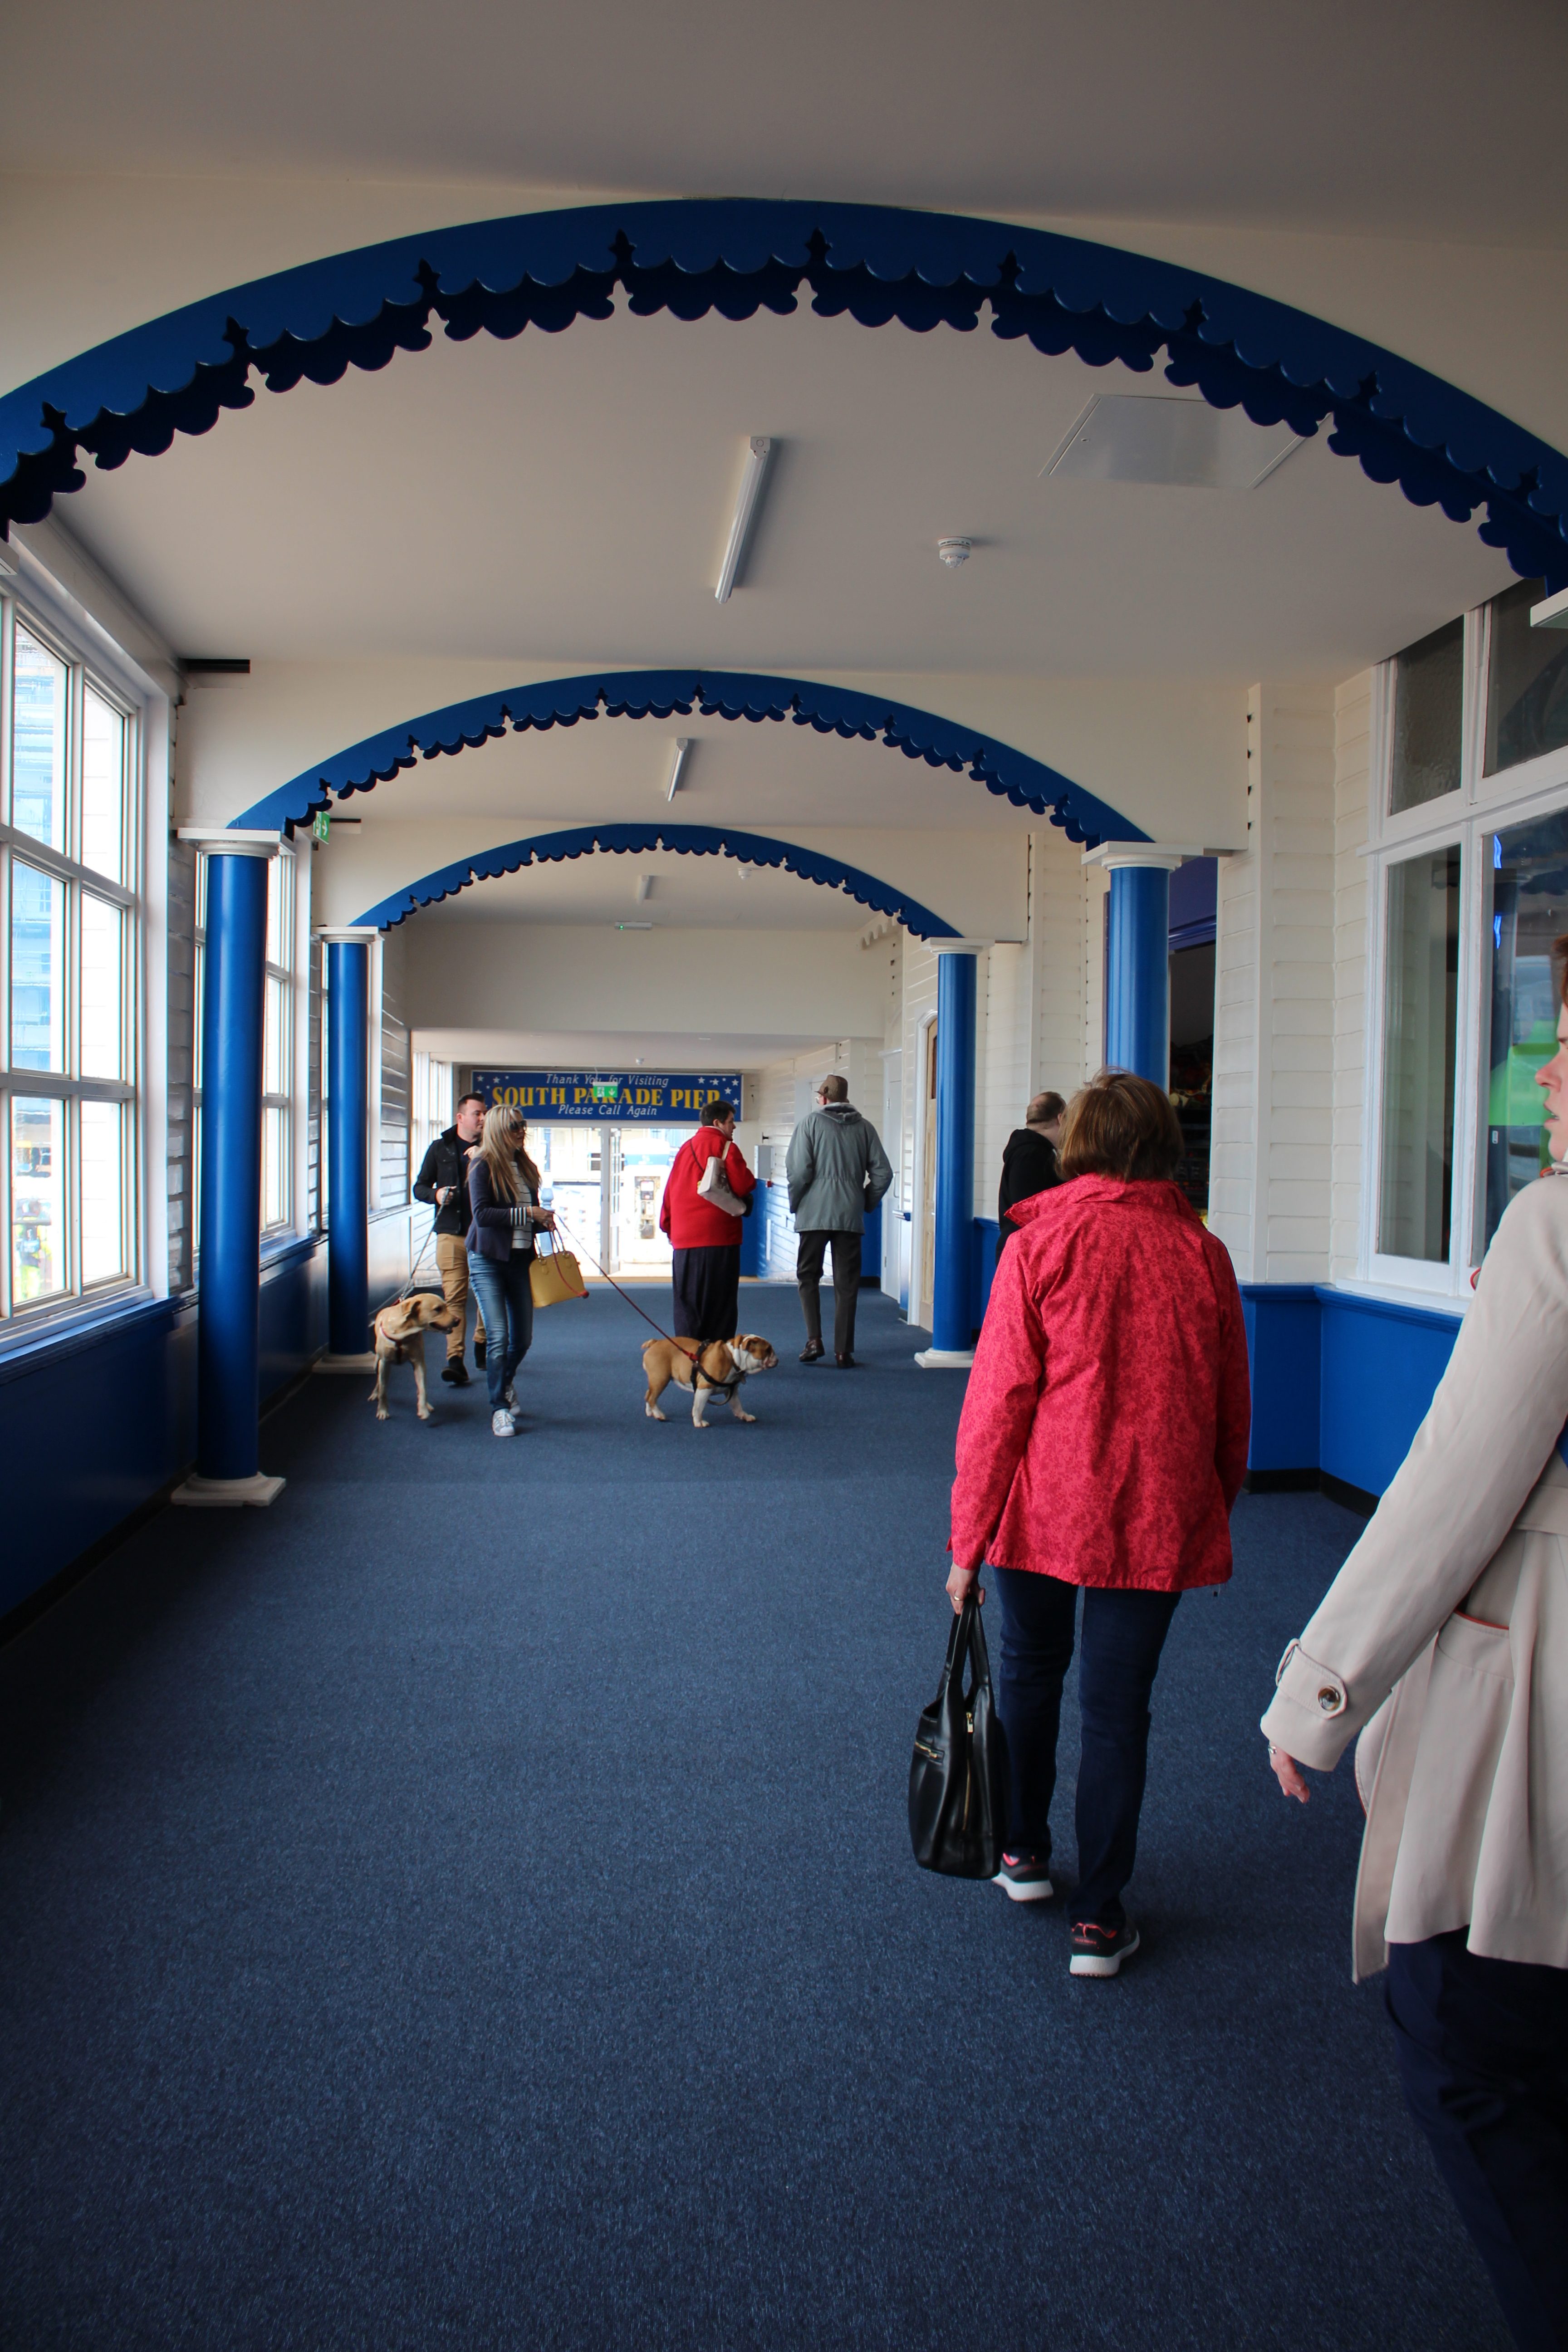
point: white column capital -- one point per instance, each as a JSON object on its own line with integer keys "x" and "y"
{"x": 346, "y": 935}
{"x": 957, "y": 947}
{"x": 1163, "y": 856}
{"x": 230, "y": 840}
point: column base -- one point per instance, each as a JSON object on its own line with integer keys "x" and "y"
{"x": 199, "y": 1494}
{"x": 945, "y": 1360}
{"x": 331, "y": 1363}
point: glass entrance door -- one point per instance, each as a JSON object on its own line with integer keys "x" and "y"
{"x": 570, "y": 1162}
{"x": 642, "y": 1156}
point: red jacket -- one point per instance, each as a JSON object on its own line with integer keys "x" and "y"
{"x": 1103, "y": 1438}
{"x": 692, "y": 1223}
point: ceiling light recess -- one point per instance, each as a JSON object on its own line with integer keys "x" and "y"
{"x": 759, "y": 456}
{"x": 1159, "y": 439}
{"x": 645, "y": 885}
{"x": 682, "y": 745}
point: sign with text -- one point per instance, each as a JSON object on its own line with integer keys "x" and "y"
{"x": 618, "y": 1095}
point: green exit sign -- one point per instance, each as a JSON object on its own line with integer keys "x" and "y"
{"x": 606, "y": 1090}
{"x": 321, "y": 824}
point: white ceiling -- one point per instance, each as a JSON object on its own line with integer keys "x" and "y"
{"x": 1442, "y": 119}
{"x": 566, "y": 498}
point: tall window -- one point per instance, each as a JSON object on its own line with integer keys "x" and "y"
{"x": 1470, "y": 835}
{"x": 278, "y": 1049}
{"x": 431, "y": 1108}
{"x": 71, "y": 951}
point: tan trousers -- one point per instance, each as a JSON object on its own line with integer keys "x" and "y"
{"x": 452, "y": 1262}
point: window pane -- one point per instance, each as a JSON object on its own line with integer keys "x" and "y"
{"x": 275, "y": 1039}
{"x": 38, "y": 742}
{"x": 274, "y": 1167}
{"x": 38, "y": 1199}
{"x": 198, "y": 985}
{"x": 103, "y": 788}
{"x": 1419, "y": 1035}
{"x": 1527, "y": 682}
{"x": 1428, "y": 681}
{"x": 102, "y": 980}
{"x": 38, "y": 969}
{"x": 1529, "y": 909}
{"x": 103, "y": 1250}
{"x": 279, "y": 946}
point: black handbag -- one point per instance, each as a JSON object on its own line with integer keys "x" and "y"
{"x": 958, "y": 1773}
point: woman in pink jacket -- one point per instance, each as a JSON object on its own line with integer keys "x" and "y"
{"x": 1102, "y": 1442}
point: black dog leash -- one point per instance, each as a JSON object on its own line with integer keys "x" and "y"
{"x": 694, "y": 1349}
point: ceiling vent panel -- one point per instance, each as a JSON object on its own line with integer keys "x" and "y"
{"x": 1178, "y": 443}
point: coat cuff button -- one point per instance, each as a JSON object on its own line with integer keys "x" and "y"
{"x": 1330, "y": 1699}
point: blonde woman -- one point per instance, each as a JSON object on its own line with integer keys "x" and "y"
{"x": 503, "y": 1201}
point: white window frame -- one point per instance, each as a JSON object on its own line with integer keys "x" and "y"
{"x": 84, "y": 669}
{"x": 282, "y": 873}
{"x": 1481, "y": 806}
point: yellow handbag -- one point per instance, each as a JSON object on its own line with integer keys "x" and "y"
{"x": 554, "y": 1276}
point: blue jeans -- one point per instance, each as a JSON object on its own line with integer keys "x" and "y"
{"x": 506, "y": 1302}
{"x": 1482, "y": 2047}
{"x": 1123, "y": 1634}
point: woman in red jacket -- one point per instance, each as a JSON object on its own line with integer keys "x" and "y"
{"x": 1102, "y": 1442}
{"x": 707, "y": 1240}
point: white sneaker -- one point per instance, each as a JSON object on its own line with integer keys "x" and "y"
{"x": 502, "y": 1424}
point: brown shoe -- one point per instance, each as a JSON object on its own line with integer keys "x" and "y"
{"x": 812, "y": 1352}
{"x": 846, "y": 1363}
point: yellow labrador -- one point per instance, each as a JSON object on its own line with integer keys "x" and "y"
{"x": 400, "y": 1331}
{"x": 724, "y": 1364}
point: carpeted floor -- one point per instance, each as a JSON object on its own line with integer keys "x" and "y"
{"x": 470, "y": 1905}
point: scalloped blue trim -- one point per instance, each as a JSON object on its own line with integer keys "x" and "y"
{"x": 687, "y": 841}
{"x": 736, "y": 256}
{"x": 1010, "y": 774}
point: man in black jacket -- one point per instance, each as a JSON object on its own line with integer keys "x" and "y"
{"x": 443, "y": 1182}
{"x": 1029, "y": 1161}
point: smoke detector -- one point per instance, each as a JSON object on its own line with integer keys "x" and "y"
{"x": 953, "y": 551}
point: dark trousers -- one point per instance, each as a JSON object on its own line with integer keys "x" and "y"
{"x": 1123, "y": 1634}
{"x": 707, "y": 1292}
{"x": 808, "y": 1262}
{"x": 506, "y": 1302}
{"x": 1483, "y": 2056}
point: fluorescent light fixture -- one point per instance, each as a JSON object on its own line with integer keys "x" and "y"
{"x": 759, "y": 456}
{"x": 634, "y": 927}
{"x": 682, "y": 745}
{"x": 645, "y": 884}
{"x": 1551, "y": 613}
{"x": 1181, "y": 444}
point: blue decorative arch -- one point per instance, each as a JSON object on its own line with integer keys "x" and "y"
{"x": 1011, "y": 774}
{"x": 687, "y": 841}
{"x": 874, "y": 262}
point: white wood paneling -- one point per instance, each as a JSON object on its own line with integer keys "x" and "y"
{"x": 1269, "y": 1194}
{"x": 1353, "y": 785}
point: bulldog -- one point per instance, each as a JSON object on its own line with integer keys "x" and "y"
{"x": 719, "y": 1367}
{"x": 400, "y": 1331}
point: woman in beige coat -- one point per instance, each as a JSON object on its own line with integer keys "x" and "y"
{"x": 1443, "y": 1642}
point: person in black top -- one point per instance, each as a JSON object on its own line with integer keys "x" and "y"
{"x": 1030, "y": 1163}
{"x": 443, "y": 1183}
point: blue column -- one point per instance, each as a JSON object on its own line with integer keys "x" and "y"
{"x": 1137, "y": 981}
{"x": 348, "y": 1142}
{"x": 228, "y": 1324}
{"x": 952, "y": 1314}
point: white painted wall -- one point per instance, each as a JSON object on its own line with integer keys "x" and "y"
{"x": 555, "y": 976}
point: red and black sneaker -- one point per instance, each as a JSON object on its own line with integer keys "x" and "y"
{"x": 1026, "y": 1879}
{"x": 1099, "y": 1951}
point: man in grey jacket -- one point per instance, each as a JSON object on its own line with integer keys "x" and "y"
{"x": 837, "y": 1170}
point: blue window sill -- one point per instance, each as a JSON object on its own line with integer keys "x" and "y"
{"x": 23, "y": 1349}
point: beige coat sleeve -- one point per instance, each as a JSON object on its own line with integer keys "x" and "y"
{"x": 1498, "y": 1413}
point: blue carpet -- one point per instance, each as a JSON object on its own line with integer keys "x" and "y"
{"x": 470, "y": 1905}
